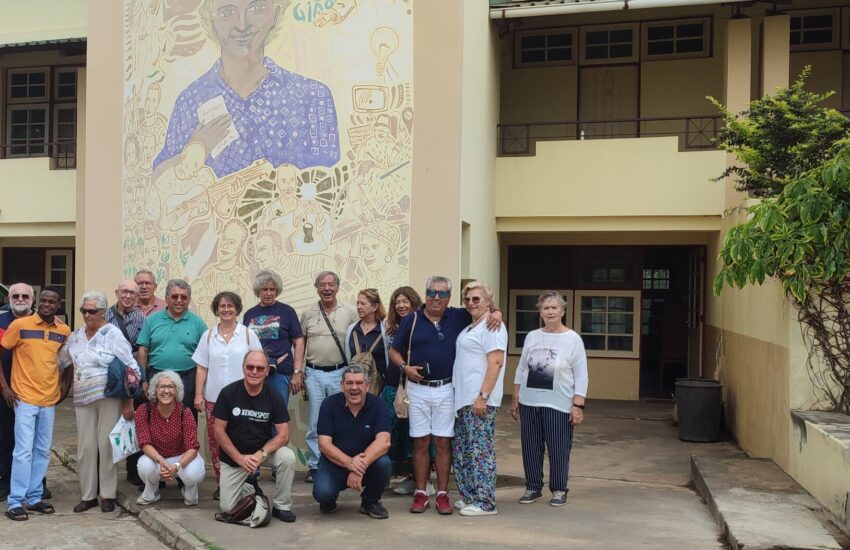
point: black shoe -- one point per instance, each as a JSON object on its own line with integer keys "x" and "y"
{"x": 309, "y": 477}
{"x": 85, "y": 505}
{"x": 162, "y": 485}
{"x": 107, "y": 505}
{"x": 133, "y": 477}
{"x": 375, "y": 510}
{"x": 46, "y": 494}
{"x": 283, "y": 515}
{"x": 327, "y": 508}
{"x": 4, "y": 494}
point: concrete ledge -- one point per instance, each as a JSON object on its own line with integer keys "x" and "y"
{"x": 758, "y": 506}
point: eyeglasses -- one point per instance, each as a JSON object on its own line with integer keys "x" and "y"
{"x": 21, "y": 296}
{"x": 166, "y": 387}
{"x": 86, "y": 311}
{"x": 472, "y": 299}
{"x": 179, "y": 298}
{"x": 442, "y": 294}
{"x": 145, "y": 283}
{"x": 255, "y": 368}
{"x": 126, "y": 291}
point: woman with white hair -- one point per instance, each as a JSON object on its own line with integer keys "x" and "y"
{"x": 91, "y": 348}
{"x": 168, "y": 437}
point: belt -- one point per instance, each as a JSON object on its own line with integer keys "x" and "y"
{"x": 329, "y": 368}
{"x": 431, "y": 383}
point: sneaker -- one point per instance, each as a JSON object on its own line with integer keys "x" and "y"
{"x": 421, "y": 502}
{"x": 559, "y": 498}
{"x": 309, "y": 477}
{"x": 217, "y": 494}
{"x": 375, "y": 510}
{"x": 142, "y": 501}
{"x": 406, "y": 487}
{"x": 475, "y": 510}
{"x": 459, "y": 503}
{"x": 186, "y": 501}
{"x": 444, "y": 507}
{"x": 283, "y": 515}
{"x": 327, "y": 508}
{"x": 530, "y": 496}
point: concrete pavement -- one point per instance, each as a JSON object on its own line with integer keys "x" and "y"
{"x": 630, "y": 486}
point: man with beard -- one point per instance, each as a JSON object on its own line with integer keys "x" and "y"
{"x": 34, "y": 392}
{"x": 20, "y": 300}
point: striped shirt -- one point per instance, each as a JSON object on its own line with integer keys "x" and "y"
{"x": 133, "y": 322}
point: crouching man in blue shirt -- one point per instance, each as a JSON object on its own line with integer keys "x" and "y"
{"x": 354, "y": 437}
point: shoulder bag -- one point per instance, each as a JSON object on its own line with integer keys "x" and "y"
{"x": 333, "y": 331}
{"x": 401, "y": 403}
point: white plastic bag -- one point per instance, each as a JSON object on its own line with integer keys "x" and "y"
{"x": 123, "y": 439}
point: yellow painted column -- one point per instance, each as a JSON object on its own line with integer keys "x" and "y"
{"x": 737, "y": 78}
{"x": 775, "y": 53}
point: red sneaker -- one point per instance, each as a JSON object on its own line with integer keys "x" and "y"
{"x": 421, "y": 502}
{"x": 444, "y": 507}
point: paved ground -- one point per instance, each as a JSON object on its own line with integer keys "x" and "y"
{"x": 630, "y": 486}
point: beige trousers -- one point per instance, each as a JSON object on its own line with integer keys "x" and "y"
{"x": 94, "y": 422}
{"x": 233, "y": 486}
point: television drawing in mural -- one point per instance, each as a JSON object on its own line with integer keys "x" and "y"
{"x": 268, "y": 134}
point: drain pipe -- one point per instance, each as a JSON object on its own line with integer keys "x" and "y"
{"x": 564, "y": 7}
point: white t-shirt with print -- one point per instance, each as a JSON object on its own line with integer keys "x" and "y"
{"x": 552, "y": 370}
{"x": 223, "y": 360}
{"x": 470, "y": 367}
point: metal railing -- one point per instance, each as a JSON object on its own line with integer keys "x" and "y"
{"x": 63, "y": 154}
{"x": 694, "y": 132}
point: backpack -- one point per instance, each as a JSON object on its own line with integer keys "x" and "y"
{"x": 252, "y": 510}
{"x": 366, "y": 360}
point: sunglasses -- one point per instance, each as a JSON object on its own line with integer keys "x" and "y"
{"x": 179, "y": 298}
{"x": 442, "y": 294}
{"x": 86, "y": 311}
{"x": 440, "y": 335}
{"x": 255, "y": 368}
{"x": 21, "y": 296}
{"x": 472, "y": 299}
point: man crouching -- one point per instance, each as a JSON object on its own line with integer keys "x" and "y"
{"x": 252, "y": 424}
{"x": 354, "y": 437}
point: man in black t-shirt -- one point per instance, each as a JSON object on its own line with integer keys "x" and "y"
{"x": 354, "y": 437}
{"x": 253, "y": 425}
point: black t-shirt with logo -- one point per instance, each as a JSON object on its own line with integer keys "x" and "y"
{"x": 249, "y": 419}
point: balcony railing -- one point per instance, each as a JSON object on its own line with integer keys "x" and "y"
{"x": 63, "y": 154}
{"x": 695, "y": 132}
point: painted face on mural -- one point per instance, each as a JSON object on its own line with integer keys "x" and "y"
{"x": 231, "y": 241}
{"x": 242, "y": 26}
{"x": 375, "y": 253}
{"x": 152, "y": 100}
{"x": 267, "y": 250}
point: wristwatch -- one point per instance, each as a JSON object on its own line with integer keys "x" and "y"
{"x": 264, "y": 453}
{"x": 484, "y": 395}
{"x": 402, "y": 366}
{"x": 297, "y": 371}
{"x": 178, "y": 466}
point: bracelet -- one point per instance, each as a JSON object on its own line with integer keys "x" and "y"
{"x": 579, "y": 406}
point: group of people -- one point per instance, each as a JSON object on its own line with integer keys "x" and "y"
{"x": 350, "y": 362}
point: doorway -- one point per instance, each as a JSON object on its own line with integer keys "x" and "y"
{"x": 609, "y": 93}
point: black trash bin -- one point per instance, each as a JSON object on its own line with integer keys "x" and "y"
{"x": 700, "y": 409}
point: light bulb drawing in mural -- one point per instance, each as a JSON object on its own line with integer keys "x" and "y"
{"x": 384, "y": 43}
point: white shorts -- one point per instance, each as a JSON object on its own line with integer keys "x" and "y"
{"x": 431, "y": 410}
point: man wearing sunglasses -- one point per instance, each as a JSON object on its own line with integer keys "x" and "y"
{"x": 432, "y": 357}
{"x": 20, "y": 302}
{"x": 252, "y": 426}
{"x": 169, "y": 338}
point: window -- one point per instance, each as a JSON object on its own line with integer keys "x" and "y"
{"x": 814, "y": 30}
{"x": 524, "y": 316}
{"x": 610, "y": 44}
{"x": 545, "y": 48}
{"x": 656, "y": 279}
{"x": 609, "y": 323}
{"x": 27, "y": 85}
{"x": 676, "y": 39}
{"x": 66, "y": 84}
{"x": 65, "y": 135}
{"x": 27, "y": 130}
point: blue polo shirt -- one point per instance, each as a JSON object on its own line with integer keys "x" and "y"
{"x": 171, "y": 342}
{"x": 353, "y": 434}
{"x": 434, "y": 343}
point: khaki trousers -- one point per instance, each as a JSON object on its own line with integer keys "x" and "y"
{"x": 94, "y": 422}
{"x": 233, "y": 487}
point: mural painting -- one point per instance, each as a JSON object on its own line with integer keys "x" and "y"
{"x": 268, "y": 134}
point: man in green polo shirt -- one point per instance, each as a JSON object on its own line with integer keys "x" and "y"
{"x": 169, "y": 338}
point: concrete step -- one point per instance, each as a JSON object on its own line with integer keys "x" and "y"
{"x": 758, "y": 506}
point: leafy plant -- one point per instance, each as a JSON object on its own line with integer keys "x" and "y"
{"x": 780, "y": 137}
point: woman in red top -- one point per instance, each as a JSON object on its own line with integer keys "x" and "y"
{"x": 168, "y": 437}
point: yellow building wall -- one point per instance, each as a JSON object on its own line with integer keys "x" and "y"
{"x": 617, "y": 177}
{"x": 826, "y": 73}
{"x": 42, "y": 20}
{"x": 617, "y": 379}
{"x": 479, "y": 112}
{"x": 47, "y": 197}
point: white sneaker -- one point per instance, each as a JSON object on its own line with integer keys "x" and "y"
{"x": 186, "y": 501}
{"x": 459, "y": 504}
{"x": 474, "y": 510}
{"x": 142, "y": 501}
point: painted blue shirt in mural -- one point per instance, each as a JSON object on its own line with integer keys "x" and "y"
{"x": 289, "y": 118}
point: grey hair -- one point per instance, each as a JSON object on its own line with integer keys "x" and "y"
{"x": 145, "y": 272}
{"x": 324, "y": 274}
{"x": 97, "y": 296}
{"x": 551, "y": 295}
{"x": 179, "y": 283}
{"x": 438, "y": 279}
{"x": 173, "y": 376}
{"x": 265, "y": 276}
{"x": 355, "y": 368}
{"x": 29, "y": 288}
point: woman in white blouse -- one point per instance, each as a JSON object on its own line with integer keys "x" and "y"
{"x": 548, "y": 399}
{"x": 91, "y": 348}
{"x": 219, "y": 358}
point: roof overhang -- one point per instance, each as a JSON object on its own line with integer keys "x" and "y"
{"x": 74, "y": 45}
{"x": 559, "y": 7}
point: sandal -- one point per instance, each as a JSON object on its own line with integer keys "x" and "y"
{"x": 41, "y": 507}
{"x": 17, "y": 514}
